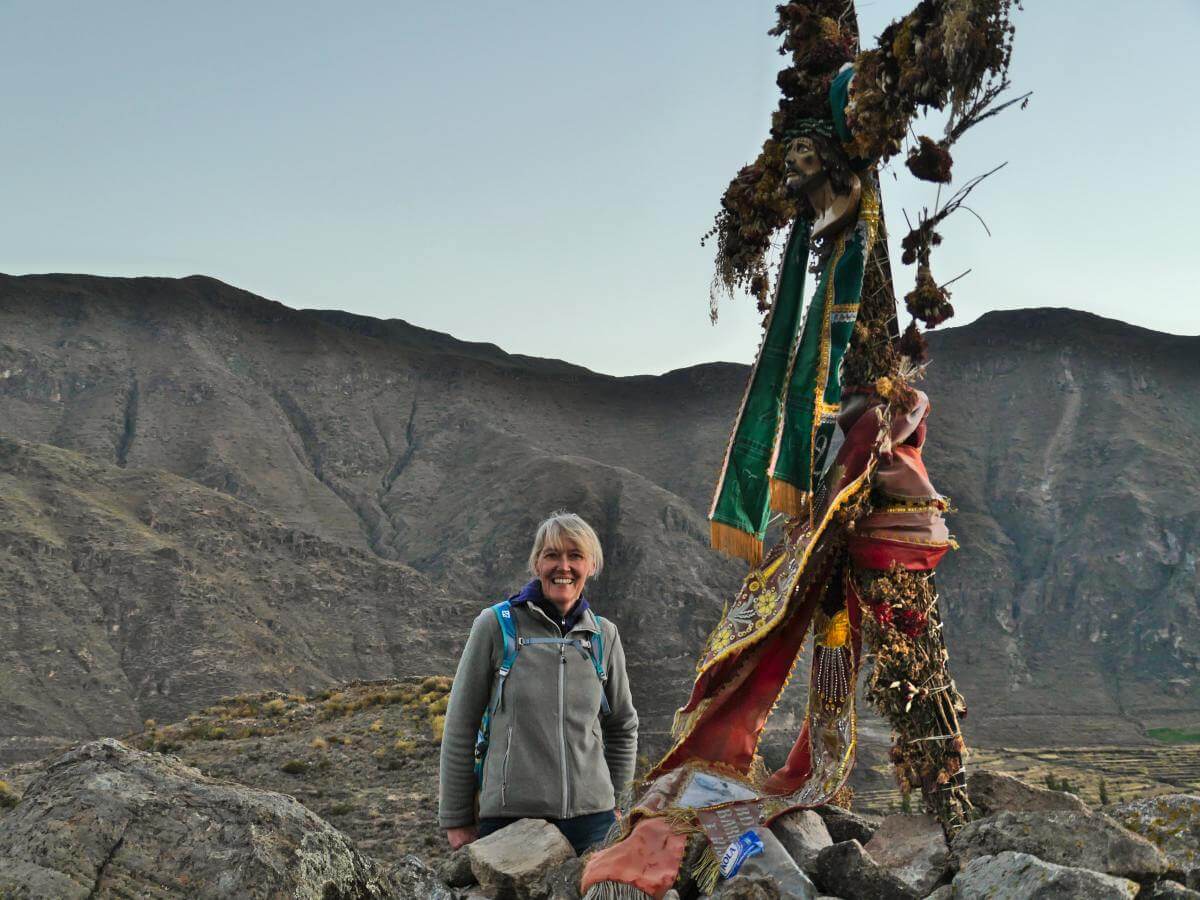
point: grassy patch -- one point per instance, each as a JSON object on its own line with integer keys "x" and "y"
{"x": 8, "y": 797}
{"x": 1174, "y": 735}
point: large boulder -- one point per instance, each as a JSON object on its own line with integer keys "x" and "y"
{"x": 1088, "y": 840}
{"x": 560, "y": 882}
{"x": 844, "y": 825}
{"x": 993, "y": 792}
{"x": 847, "y": 870}
{"x": 1019, "y": 876}
{"x": 804, "y": 835}
{"x": 1168, "y": 890}
{"x": 411, "y": 879}
{"x": 913, "y": 848}
{"x": 455, "y": 869}
{"x": 107, "y": 820}
{"x": 511, "y": 861}
{"x": 1170, "y": 821}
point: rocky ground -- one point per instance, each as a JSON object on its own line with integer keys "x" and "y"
{"x": 334, "y": 795}
{"x": 363, "y": 757}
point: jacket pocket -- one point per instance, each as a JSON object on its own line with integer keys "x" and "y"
{"x": 504, "y": 769}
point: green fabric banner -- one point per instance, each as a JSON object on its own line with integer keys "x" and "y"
{"x": 814, "y": 393}
{"x": 740, "y": 510}
{"x": 783, "y": 431}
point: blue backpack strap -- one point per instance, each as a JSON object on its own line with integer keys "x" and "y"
{"x": 596, "y": 651}
{"x": 512, "y": 645}
{"x": 508, "y": 630}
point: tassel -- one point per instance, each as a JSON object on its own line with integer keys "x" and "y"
{"x": 788, "y": 499}
{"x": 615, "y": 890}
{"x": 707, "y": 870}
{"x": 832, "y": 665}
{"x": 735, "y": 542}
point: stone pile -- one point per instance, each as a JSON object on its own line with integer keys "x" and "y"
{"x": 105, "y": 820}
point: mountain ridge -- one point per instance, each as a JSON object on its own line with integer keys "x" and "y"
{"x": 442, "y": 455}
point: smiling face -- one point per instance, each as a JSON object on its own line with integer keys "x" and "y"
{"x": 563, "y": 571}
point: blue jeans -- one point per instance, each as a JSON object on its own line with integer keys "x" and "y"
{"x": 582, "y": 831}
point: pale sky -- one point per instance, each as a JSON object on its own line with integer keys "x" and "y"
{"x": 538, "y": 174}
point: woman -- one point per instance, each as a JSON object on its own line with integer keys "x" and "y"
{"x": 563, "y": 730}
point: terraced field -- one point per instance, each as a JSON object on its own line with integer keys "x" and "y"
{"x": 1127, "y": 771}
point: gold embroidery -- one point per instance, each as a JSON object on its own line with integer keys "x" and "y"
{"x": 837, "y": 631}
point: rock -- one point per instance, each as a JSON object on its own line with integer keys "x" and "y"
{"x": 512, "y": 860}
{"x": 105, "y": 819}
{"x": 1019, "y": 876}
{"x": 993, "y": 792}
{"x": 1170, "y": 821}
{"x": 560, "y": 882}
{"x": 945, "y": 892}
{"x": 1089, "y": 840}
{"x": 803, "y": 834}
{"x": 455, "y": 869}
{"x": 847, "y": 870}
{"x": 413, "y": 880}
{"x": 744, "y": 887}
{"x": 844, "y": 825}
{"x": 774, "y": 866}
{"x": 913, "y": 848}
{"x": 1168, "y": 890}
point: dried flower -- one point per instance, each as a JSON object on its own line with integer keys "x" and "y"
{"x": 930, "y": 161}
{"x": 927, "y": 301}
{"x": 912, "y": 344}
{"x": 910, "y": 623}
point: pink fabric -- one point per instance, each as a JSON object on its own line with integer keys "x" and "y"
{"x": 649, "y": 859}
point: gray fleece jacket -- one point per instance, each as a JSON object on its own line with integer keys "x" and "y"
{"x": 552, "y": 754}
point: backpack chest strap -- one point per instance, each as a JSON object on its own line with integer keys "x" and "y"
{"x": 590, "y": 651}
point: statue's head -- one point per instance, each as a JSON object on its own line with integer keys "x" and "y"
{"x": 817, "y": 171}
{"x": 803, "y": 163}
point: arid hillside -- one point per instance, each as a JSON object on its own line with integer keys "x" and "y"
{"x": 206, "y": 492}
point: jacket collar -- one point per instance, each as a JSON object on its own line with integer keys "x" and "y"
{"x": 580, "y": 618}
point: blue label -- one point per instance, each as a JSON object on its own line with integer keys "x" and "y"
{"x": 748, "y": 845}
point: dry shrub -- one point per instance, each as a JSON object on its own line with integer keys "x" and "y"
{"x": 8, "y": 796}
{"x": 275, "y": 707}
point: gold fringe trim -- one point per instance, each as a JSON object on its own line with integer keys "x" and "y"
{"x": 843, "y": 797}
{"x": 707, "y": 869}
{"x": 615, "y": 890}
{"x": 683, "y": 821}
{"x": 735, "y": 542}
{"x": 788, "y": 499}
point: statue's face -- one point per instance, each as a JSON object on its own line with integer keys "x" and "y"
{"x": 803, "y": 163}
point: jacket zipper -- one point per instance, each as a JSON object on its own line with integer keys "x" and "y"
{"x": 504, "y": 774}
{"x": 562, "y": 716}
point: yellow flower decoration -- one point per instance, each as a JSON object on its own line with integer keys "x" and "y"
{"x": 837, "y": 632}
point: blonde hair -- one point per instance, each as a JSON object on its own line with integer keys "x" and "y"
{"x": 564, "y": 527}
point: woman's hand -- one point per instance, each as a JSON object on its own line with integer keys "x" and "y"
{"x": 460, "y": 837}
